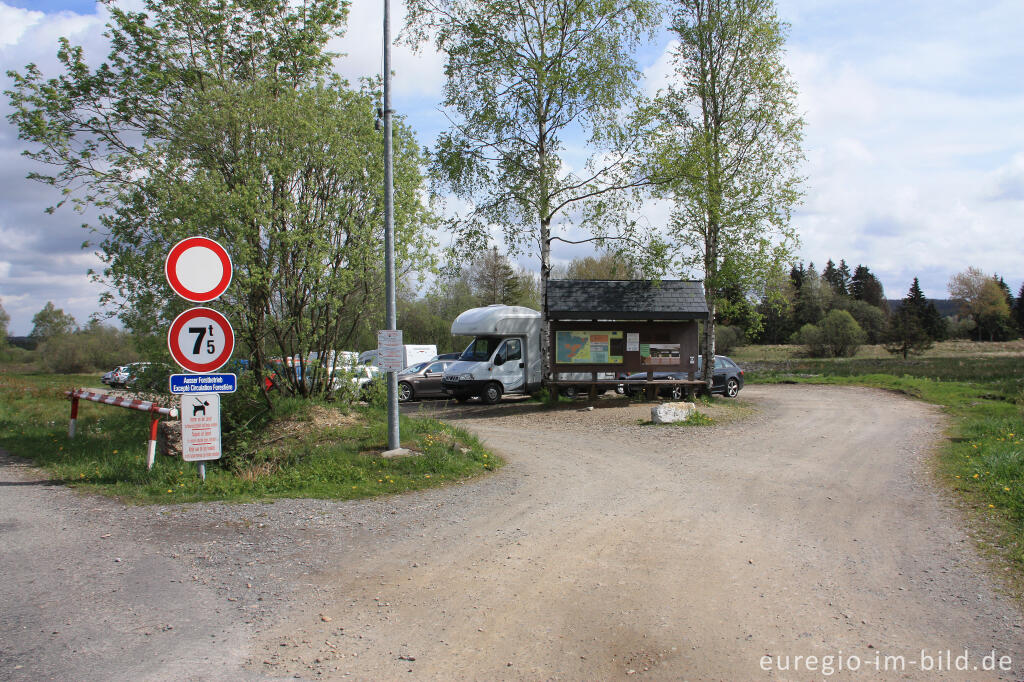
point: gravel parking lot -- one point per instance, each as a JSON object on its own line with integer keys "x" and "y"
{"x": 808, "y": 526}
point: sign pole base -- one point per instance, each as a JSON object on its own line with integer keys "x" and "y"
{"x": 202, "y": 471}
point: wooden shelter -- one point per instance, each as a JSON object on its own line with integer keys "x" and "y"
{"x": 620, "y": 327}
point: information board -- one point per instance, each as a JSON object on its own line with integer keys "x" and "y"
{"x": 390, "y": 352}
{"x": 588, "y": 348}
{"x": 200, "y": 427}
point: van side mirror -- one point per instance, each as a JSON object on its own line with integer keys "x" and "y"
{"x": 499, "y": 360}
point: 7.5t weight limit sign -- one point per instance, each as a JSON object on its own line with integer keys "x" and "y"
{"x": 201, "y": 340}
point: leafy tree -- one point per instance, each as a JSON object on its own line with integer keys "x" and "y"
{"x": 735, "y": 309}
{"x": 864, "y": 286}
{"x": 731, "y": 143}
{"x": 520, "y": 76}
{"x": 776, "y": 308}
{"x": 51, "y": 322}
{"x": 837, "y": 335}
{"x": 608, "y": 265}
{"x": 870, "y": 319}
{"x": 93, "y": 348}
{"x": 983, "y": 300}
{"x": 222, "y": 118}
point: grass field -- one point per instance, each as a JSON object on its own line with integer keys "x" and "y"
{"x": 316, "y": 452}
{"x": 982, "y": 458}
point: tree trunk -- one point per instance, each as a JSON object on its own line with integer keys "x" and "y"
{"x": 707, "y": 375}
{"x": 545, "y": 274}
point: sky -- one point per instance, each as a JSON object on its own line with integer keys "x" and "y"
{"x": 914, "y": 139}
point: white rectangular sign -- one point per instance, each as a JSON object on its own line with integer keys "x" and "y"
{"x": 390, "y": 351}
{"x": 632, "y": 342}
{"x": 200, "y": 427}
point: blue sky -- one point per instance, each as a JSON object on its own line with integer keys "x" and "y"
{"x": 914, "y": 139}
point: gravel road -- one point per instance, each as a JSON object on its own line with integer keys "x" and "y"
{"x": 603, "y": 550}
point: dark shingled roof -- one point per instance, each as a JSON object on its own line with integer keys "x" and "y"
{"x": 670, "y": 299}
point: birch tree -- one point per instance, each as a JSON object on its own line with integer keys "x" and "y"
{"x": 522, "y": 76}
{"x": 729, "y": 148}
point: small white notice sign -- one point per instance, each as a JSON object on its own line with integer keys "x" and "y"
{"x": 632, "y": 342}
{"x": 390, "y": 352}
{"x": 200, "y": 427}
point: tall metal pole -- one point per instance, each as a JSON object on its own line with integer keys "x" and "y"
{"x": 394, "y": 439}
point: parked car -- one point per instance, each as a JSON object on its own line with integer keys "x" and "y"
{"x": 108, "y": 378}
{"x": 726, "y": 379}
{"x": 447, "y": 356}
{"x": 360, "y": 375}
{"x": 118, "y": 377}
{"x": 422, "y": 380}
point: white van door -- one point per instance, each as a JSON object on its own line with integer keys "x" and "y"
{"x": 509, "y": 368}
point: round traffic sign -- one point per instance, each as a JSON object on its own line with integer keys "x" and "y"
{"x": 198, "y": 269}
{"x": 201, "y": 340}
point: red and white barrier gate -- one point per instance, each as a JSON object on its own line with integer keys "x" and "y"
{"x": 129, "y": 403}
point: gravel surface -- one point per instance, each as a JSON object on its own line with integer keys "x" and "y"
{"x": 809, "y": 526}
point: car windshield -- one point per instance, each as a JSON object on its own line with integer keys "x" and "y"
{"x": 481, "y": 349}
{"x": 412, "y": 369}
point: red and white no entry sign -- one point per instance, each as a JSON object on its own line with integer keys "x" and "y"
{"x": 198, "y": 269}
{"x": 201, "y": 340}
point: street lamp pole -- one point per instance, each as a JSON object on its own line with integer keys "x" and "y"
{"x": 394, "y": 439}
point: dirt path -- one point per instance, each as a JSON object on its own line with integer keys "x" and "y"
{"x": 603, "y": 550}
{"x": 611, "y": 551}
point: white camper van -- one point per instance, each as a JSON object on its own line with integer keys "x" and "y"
{"x": 504, "y": 356}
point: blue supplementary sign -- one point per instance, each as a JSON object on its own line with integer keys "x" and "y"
{"x": 203, "y": 383}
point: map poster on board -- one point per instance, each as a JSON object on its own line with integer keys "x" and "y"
{"x": 588, "y": 348}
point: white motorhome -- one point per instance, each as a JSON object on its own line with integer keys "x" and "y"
{"x": 504, "y": 356}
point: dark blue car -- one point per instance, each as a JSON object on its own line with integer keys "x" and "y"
{"x": 727, "y": 379}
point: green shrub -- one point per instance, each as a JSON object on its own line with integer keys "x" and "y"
{"x": 94, "y": 348}
{"x": 841, "y": 334}
{"x": 837, "y": 336}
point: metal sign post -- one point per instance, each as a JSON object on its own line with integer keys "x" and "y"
{"x": 394, "y": 438}
{"x": 201, "y": 340}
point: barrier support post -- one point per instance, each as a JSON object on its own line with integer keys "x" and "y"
{"x": 151, "y": 453}
{"x": 74, "y": 418}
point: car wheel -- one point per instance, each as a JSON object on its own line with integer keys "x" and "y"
{"x": 677, "y": 393}
{"x": 404, "y": 392}
{"x": 492, "y": 393}
{"x": 570, "y": 392}
{"x": 732, "y": 388}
